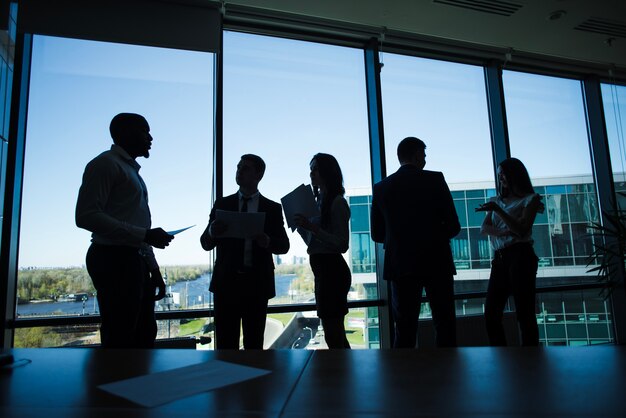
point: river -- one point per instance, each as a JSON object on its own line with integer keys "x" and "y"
{"x": 196, "y": 292}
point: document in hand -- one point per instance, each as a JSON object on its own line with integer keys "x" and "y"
{"x": 178, "y": 231}
{"x": 302, "y": 201}
{"x": 241, "y": 224}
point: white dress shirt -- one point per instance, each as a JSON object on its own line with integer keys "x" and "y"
{"x": 113, "y": 202}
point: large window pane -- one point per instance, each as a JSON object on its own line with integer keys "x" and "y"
{"x": 444, "y": 104}
{"x": 548, "y": 132}
{"x": 76, "y": 87}
{"x": 546, "y": 120}
{"x": 285, "y": 101}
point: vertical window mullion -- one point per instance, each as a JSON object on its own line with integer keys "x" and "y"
{"x": 377, "y": 161}
{"x": 13, "y": 188}
{"x": 497, "y": 114}
{"x": 218, "y": 123}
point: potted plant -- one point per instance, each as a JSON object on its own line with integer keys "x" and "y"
{"x": 609, "y": 248}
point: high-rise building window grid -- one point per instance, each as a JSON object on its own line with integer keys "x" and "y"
{"x": 362, "y": 250}
{"x": 560, "y": 327}
{"x": 463, "y": 243}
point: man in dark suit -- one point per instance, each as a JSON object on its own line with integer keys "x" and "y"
{"x": 413, "y": 215}
{"x": 243, "y": 274}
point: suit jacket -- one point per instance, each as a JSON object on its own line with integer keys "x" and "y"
{"x": 230, "y": 250}
{"x": 413, "y": 215}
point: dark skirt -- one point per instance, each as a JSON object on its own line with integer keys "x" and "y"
{"x": 332, "y": 284}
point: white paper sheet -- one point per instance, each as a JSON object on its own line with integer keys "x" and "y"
{"x": 163, "y": 387}
{"x": 300, "y": 200}
{"x": 241, "y": 224}
{"x": 178, "y": 231}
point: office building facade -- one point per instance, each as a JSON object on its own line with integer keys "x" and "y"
{"x": 563, "y": 240}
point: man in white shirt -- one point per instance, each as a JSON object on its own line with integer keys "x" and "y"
{"x": 113, "y": 205}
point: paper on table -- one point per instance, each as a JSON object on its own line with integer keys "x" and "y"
{"x": 149, "y": 390}
{"x": 178, "y": 231}
{"x": 300, "y": 200}
{"x": 241, "y": 224}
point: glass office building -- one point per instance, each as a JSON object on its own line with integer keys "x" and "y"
{"x": 564, "y": 243}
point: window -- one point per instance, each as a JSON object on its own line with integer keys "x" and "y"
{"x": 444, "y": 104}
{"x": 76, "y": 87}
{"x": 285, "y": 101}
{"x": 548, "y": 133}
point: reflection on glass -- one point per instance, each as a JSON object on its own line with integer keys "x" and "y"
{"x": 76, "y": 87}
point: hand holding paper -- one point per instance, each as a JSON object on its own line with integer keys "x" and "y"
{"x": 178, "y": 231}
{"x": 299, "y": 201}
{"x": 240, "y": 224}
{"x": 217, "y": 228}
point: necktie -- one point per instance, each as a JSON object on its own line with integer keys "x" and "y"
{"x": 246, "y": 245}
{"x": 244, "y": 205}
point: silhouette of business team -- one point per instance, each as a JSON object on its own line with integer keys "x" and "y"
{"x": 412, "y": 215}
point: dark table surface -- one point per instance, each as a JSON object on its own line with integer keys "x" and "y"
{"x": 63, "y": 382}
{"x": 464, "y": 382}
{"x": 467, "y": 382}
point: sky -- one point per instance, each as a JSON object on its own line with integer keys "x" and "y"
{"x": 284, "y": 100}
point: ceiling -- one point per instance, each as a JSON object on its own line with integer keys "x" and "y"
{"x": 589, "y": 32}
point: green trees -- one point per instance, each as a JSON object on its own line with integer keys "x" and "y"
{"x": 178, "y": 273}
{"x": 36, "y": 338}
{"x": 38, "y": 284}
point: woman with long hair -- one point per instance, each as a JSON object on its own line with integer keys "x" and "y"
{"x": 327, "y": 237}
{"x": 509, "y": 221}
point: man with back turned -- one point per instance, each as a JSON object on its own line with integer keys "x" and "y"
{"x": 413, "y": 215}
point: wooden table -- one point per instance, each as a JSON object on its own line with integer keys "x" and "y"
{"x": 466, "y": 382}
